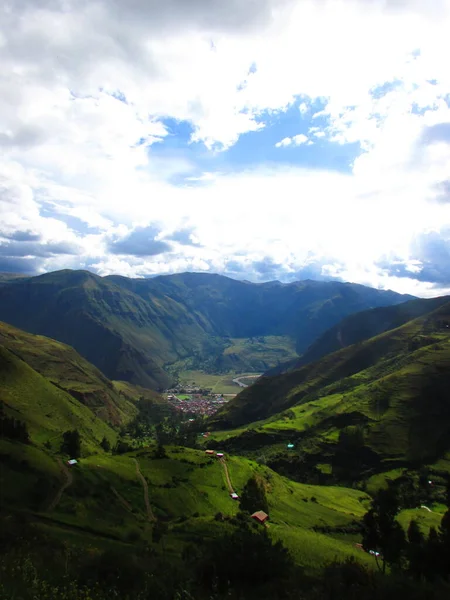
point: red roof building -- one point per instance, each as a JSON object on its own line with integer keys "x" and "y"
{"x": 260, "y": 516}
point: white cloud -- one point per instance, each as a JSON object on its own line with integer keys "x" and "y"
{"x": 295, "y": 140}
{"x": 85, "y": 88}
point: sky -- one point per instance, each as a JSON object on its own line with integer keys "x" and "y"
{"x": 259, "y": 139}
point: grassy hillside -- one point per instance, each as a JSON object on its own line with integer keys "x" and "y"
{"x": 379, "y": 402}
{"x": 131, "y": 328}
{"x": 186, "y": 490}
{"x": 359, "y": 327}
{"x": 65, "y": 368}
{"x": 47, "y": 410}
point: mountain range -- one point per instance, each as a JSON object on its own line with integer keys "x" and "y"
{"x": 142, "y": 330}
{"x": 389, "y": 391}
{"x": 358, "y": 406}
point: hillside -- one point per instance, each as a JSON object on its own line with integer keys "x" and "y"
{"x": 62, "y": 366}
{"x": 47, "y": 410}
{"x": 131, "y": 329}
{"x": 384, "y": 399}
{"x": 359, "y": 327}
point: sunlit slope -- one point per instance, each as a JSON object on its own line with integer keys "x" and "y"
{"x": 393, "y": 388}
{"x": 187, "y": 491}
{"x": 66, "y": 369}
{"x": 47, "y": 410}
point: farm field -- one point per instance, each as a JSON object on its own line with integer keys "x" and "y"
{"x": 186, "y": 490}
{"x": 219, "y": 384}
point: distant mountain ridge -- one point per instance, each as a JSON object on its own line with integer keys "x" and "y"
{"x": 132, "y": 328}
{"x": 359, "y": 327}
{"x": 382, "y": 401}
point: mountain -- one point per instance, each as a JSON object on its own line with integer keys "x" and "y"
{"x": 388, "y": 392}
{"x": 132, "y": 329}
{"x": 359, "y": 327}
{"x": 47, "y": 410}
{"x": 65, "y": 369}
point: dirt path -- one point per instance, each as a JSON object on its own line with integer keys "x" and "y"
{"x": 68, "y": 480}
{"x": 121, "y": 499}
{"x": 150, "y": 515}
{"x": 227, "y": 475}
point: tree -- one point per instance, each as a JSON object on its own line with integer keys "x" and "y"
{"x": 13, "y": 428}
{"x": 245, "y": 559}
{"x": 71, "y": 443}
{"x": 381, "y": 532}
{"x": 160, "y": 451}
{"x": 253, "y": 496}
{"x": 444, "y": 538}
{"x": 159, "y": 531}
{"x": 105, "y": 444}
{"x": 416, "y": 549}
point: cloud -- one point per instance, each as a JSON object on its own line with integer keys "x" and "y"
{"x": 140, "y": 242}
{"x": 443, "y": 191}
{"x": 436, "y": 133}
{"x": 43, "y": 250}
{"x": 80, "y": 137}
{"x": 296, "y": 140}
{"x": 23, "y": 266}
{"x": 184, "y": 236}
{"x": 21, "y": 236}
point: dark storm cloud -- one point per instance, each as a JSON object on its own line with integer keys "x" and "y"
{"x": 31, "y": 249}
{"x": 432, "y": 252}
{"x": 267, "y": 268}
{"x": 21, "y": 236}
{"x": 183, "y": 236}
{"x": 23, "y": 266}
{"x": 140, "y": 242}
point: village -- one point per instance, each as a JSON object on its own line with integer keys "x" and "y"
{"x": 195, "y": 400}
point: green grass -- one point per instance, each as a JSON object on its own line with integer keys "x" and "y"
{"x": 62, "y": 366}
{"x": 47, "y": 410}
{"x": 258, "y": 353}
{"x": 219, "y": 384}
{"x": 187, "y": 488}
{"x": 392, "y": 386}
{"x": 424, "y": 518}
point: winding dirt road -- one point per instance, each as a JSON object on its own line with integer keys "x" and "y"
{"x": 68, "y": 480}
{"x": 150, "y": 515}
{"x": 227, "y": 475}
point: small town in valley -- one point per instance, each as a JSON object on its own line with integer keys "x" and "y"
{"x": 196, "y": 400}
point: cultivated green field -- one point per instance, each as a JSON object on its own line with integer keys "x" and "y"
{"x": 219, "y": 384}
{"x": 186, "y": 489}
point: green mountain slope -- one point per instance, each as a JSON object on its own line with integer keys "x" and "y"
{"x": 359, "y": 327}
{"x": 47, "y": 410}
{"x": 384, "y": 399}
{"x": 131, "y": 328}
{"x": 62, "y": 366}
{"x": 105, "y": 501}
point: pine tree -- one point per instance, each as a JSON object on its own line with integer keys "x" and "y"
{"x": 105, "y": 444}
{"x": 253, "y": 497}
{"x": 71, "y": 443}
{"x": 382, "y": 533}
{"x": 416, "y": 549}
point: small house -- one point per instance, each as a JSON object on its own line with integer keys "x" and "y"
{"x": 234, "y": 496}
{"x": 72, "y": 462}
{"x": 209, "y": 452}
{"x": 219, "y": 455}
{"x": 260, "y": 516}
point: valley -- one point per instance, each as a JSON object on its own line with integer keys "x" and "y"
{"x": 311, "y": 439}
